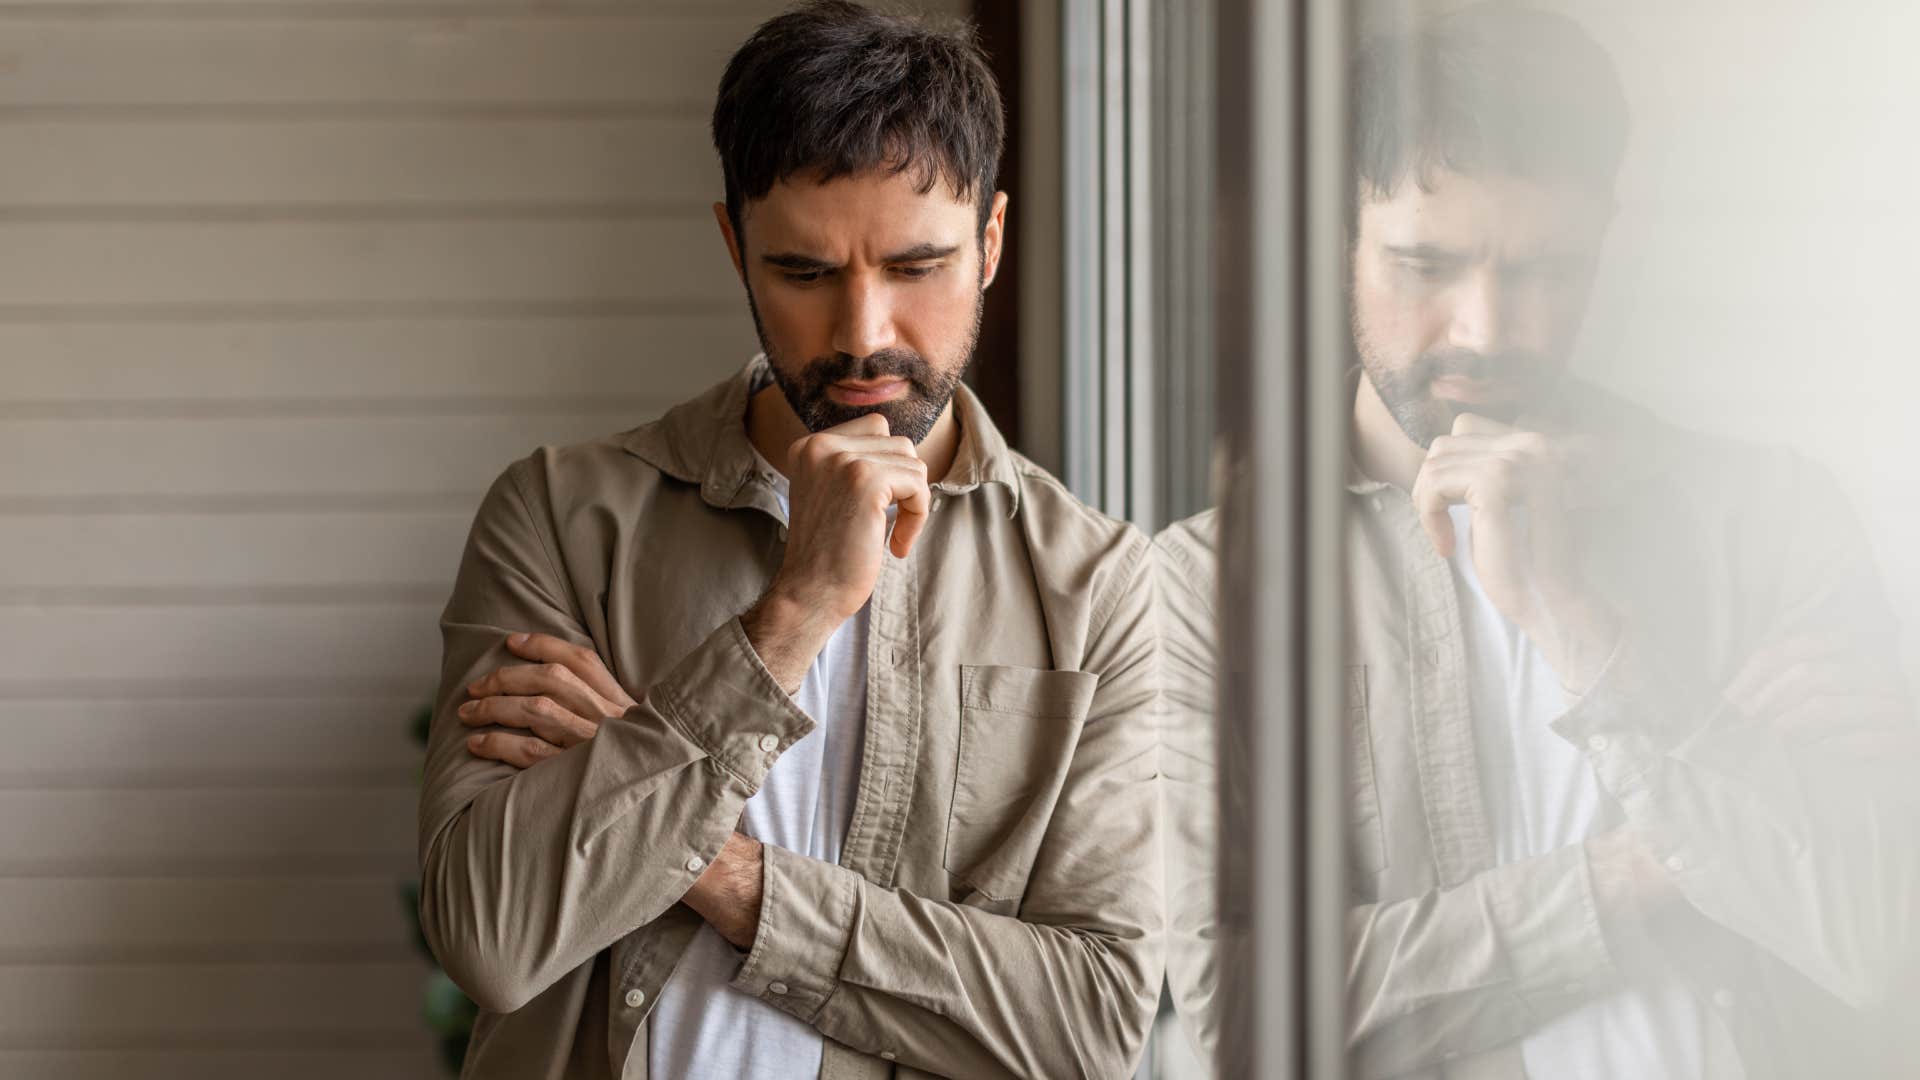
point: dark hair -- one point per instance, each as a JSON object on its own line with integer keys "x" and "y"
{"x": 833, "y": 88}
{"x": 1494, "y": 86}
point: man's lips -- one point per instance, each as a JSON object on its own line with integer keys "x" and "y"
{"x": 1463, "y": 388}
{"x": 867, "y": 393}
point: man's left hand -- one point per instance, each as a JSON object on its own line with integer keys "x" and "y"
{"x": 557, "y": 701}
{"x": 1518, "y": 485}
{"x": 560, "y": 702}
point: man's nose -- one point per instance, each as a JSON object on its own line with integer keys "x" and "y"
{"x": 1478, "y": 323}
{"x": 865, "y": 323}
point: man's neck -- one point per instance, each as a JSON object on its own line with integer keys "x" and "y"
{"x": 1381, "y": 450}
{"x": 773, "y": 426}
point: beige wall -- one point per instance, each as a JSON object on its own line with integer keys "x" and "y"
{"x": 283, "y": 285}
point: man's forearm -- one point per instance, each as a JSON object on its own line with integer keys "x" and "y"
{"x": 951, "y": 988}
{"x": 612, "y": 858}
{"x": 788, "y": 635}
{"x": 1425, "y": 985}
{"x": 727, "y": 895}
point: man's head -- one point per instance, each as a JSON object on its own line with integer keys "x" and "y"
{"x": 860, "y": 152}
{"x": 1485, "y": 147}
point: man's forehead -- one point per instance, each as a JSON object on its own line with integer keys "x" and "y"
{"x": 1484, "y": 212}
{"x": 864, "y": 213}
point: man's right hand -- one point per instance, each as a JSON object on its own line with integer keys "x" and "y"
{"x": 841, "y": 482}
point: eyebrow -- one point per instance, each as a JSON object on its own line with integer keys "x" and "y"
{"x": 787, "y": 260}
{"x": 793, "y": 260}
{"x": 1424, "y": 251}
{"x": 922, "y": 253}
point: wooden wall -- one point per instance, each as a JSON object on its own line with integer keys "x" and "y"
{"x": 283, "y": 285}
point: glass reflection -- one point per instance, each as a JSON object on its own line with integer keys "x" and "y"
{"x": 1630, "y": 744}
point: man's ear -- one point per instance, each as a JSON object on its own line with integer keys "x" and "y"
{"x": 993, "y": 239}
{"x": 733, "y": 241}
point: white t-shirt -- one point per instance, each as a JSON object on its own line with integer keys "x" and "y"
{"x": 1542, "y": 795}
{"x": 702, "y": 1029}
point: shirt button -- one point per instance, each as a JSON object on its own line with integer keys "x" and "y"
{"x": 888, "y": 1054}
{"x": 1377, "y": 504}
{"x": 1598, "y": 743}
{"x": 1675, "y": 863}
{"x": 783, "y": 534}
{"x": 777, "y": 987}
{"x": 769, "y": 743}
{"x": 696, "y": 864}
{"x": 636, "y": 998}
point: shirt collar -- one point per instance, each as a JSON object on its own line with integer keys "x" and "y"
{"x": 704, "y": 441}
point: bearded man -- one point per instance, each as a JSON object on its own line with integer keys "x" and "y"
{"x": 805, "y": 731}
{"x": 1629, "y": 755}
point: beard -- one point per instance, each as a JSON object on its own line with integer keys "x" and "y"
{"x": 1523, "y": 379}
{"x": 929, "y": 386}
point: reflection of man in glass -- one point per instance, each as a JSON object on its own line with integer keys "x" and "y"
{"x": 1627, "y": 745}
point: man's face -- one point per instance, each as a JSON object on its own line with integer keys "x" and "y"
{"x": 867, "y": 293}
{"x": 1468, "y": 297}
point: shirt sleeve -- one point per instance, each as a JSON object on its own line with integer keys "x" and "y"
{"x": 527, "y": 874}
{"x": 1447, "y": 974}
{"x": 1064, "y": 987}
{"x": 1802, "y": 838}
{"x": 1459, "y": 971}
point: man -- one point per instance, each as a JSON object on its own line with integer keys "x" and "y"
{"x": 805, "y": 731}
{"x": 1629, "y": 763}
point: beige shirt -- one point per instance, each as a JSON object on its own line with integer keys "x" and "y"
{"x": 996, "y": 908}
{"x": 1794, "y": 835}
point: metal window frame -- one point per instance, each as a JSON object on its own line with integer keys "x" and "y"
{"x": 1282, "y": 344}
{"x": 1109, "y": 413}
{"x": 1212, "y": 134}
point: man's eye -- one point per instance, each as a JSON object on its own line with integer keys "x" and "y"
{"x": 803, "y": 277}
{"x": 915, "y": 273}
{"x": 1428, "y": 270}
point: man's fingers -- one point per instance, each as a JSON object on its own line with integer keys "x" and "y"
{"x": 553, "y": 681}
{"x": 1474, "y": 424}
{"x": 519, "y": 751}
{"x": 911, "y": 517}
{"x": 1431, "y": 499}
{"x": 585, "y": 664}
{"x": 1767, "y": 667}
{"x": 539, "y": 715}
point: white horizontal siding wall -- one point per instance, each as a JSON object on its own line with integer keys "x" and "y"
{"x": 283, "y": 285}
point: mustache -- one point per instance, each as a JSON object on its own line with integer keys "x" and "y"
{"x": 885, "y": 364}
{"x": 1509, "y": 367}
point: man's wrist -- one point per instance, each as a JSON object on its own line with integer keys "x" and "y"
{"x": 727, "y": 895}
{"x": 787, "y": 633}
{"x": 1579, "y": 640}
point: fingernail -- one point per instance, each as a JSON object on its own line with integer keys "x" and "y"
{"x": 473, "y": 740}
{"x": 467, "y": 709}
{"x": 516, "y": 639}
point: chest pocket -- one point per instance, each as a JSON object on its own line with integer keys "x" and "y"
{"x": 1018, "y": 730}
{"x": 1368, "y": 847}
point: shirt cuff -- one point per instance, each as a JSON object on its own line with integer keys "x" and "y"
{"x": 1549, "y": 930}
{"x": 723, "y": 699}
{"x": 806, "y": 921}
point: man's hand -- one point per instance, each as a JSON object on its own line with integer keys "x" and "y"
{"x": 842, "y": 481}
{"x": 727, "y": 895}
{"x": 559, "y": 701}
{"x": 1519, "y": 485}
{"x": 1642, "y": 913}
